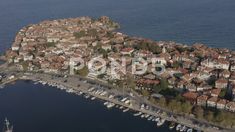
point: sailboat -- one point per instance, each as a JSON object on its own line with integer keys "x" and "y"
{"x": 7, "y": 127}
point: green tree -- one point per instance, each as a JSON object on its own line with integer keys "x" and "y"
{"x": 186, "y": 107}
{"x": 199, "y": 112}
{"x": 209, "y": 116}
{"x": 83, "y": 72}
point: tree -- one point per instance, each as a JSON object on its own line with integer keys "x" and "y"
{"x": 83, "y": 72}
{"x": 162, "y": 101}
{"x": 186, "y": 107}
{"x": 209, "y": 116}
{"x": 222, "y": 93}
{"x": 79, "y": 34}
{"x": 199, "y": 112}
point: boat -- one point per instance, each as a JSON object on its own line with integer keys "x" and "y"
{"x": 172, "y": 125}
{"x": 178, "y": 127}
{"x": 125, "y": 110}
{"x": 110, "y": 105}
{"x": 121, "y": 107}
{"x": 138, "y": 114}
{"x": 105, "y": 103}
{"x": 190, "y": 130}
{"x": 161, "y": 122}
{"x": 150, "y": 118}
{"x": 157, "y": 119}
{"x": 183, "y": 128}
{"x": 93, "y": 98}
{"x": 87, "y": 96}
{"x": 142, "y": 116}
{"x": 7, "y": 127}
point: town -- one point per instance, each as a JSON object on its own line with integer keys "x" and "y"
{"x": 197, "y": 80}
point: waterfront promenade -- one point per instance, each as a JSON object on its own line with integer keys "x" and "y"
{"x": 78, "y": 84}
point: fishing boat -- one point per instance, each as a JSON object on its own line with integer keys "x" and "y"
{"x": 157, "y": 119}
{"x": 138, "y": 114}
{"x": 110, "y": 105}
{"x": 178, "y": 127}
{"x": 161, "y": 122}
{"x": 7, "y": 127}
{"x": 105, "y": 103}
{"x": 125, "y": 110}
{"x": 190, "y": 130}
{"x": 93, "y": 98}
{"x": 172, "y": 125}
{"x": 183, "y": 128}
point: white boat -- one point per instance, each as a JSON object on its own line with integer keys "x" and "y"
{"x": 183, "y": 128}
{"x": 125, "y": 110}
{"x": 142, "y": 116}
{"x": 150, "y": 118}
{"x": 161, "y": 122}
{"x": 190, "y": 130}
{"x": 121, "y": 107}
{"x": 110, "y": 105}
{"x": 172, "y": 125}
{"x": 93, "y": 98}
{"x": 105, "y": 103}
{"x": 146, "y": 116}
{"x": 157, "y": 119}
{"x": 178, "y": 127}
{"x": 138, "y": 114}
{"x": 87, "y": 96}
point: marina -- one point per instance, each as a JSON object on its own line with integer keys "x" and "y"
{"x": 159, "y": 121}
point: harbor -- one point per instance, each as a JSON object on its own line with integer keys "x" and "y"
{"x": 112, "y": 98}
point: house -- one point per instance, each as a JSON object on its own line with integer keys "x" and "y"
{"x": 159, "y": 60}
{"x": 127, "y": 51}
{"x": 232, "y": 67}
{"x": 106, "y": 47}
{"x": 221, "y": 83}
{"x": 221, "y": 104}
{"x": 191, "y": 96}
{"x": 15, "y": 47}
{"x": 191, "y": 87}
{"x": 53, "y": 40}
{"x": 218, "y": 64}
{"x": 28, "y": 57}
{"x": 215, "y": 92}
{"x": 143, "y": 53}
{"x": 211, "y": 102}
{"x": 188, "y": 77}
{"x": 225, "y": 74}
{"x": 203, "y": 87}
{"x": 202, "y": 100}
{"x": 187, "y": 64}
{"x": 230, "y": 106}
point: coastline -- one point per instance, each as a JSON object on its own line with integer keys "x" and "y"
{"x": 84, "y": 87}
{"x": 55, "y": 66}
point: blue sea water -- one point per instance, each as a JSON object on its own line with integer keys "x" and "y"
{"x": 43, "y": 109}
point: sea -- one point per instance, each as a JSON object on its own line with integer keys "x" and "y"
{"x": 38, "y": 108}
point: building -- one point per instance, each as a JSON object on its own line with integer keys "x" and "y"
{"x": 127, "y": 51}
{"x": 221, "y": 83}
{"x": 215, "y": 92}
{"x": 225, "y": 74}
{"x": 221, "y": 104}
{"x": 202, "y": 100}
{"x": 211, "y": 102}
{"x": 191, "y": 96}
{"x": 230, "y": 106}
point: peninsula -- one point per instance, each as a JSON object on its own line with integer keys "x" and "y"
{"x": 193, "y": 86}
